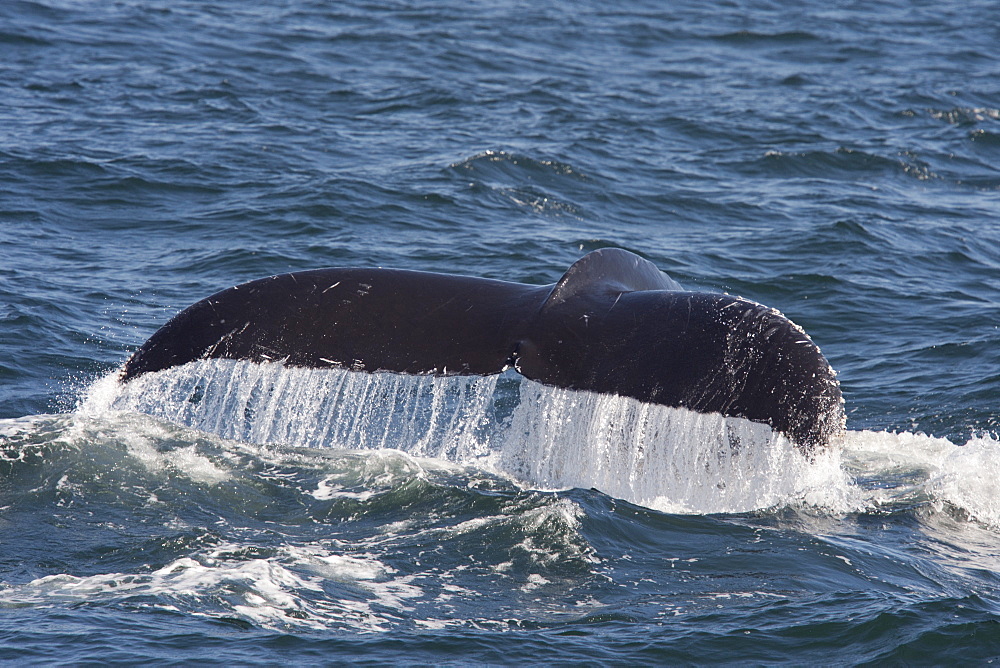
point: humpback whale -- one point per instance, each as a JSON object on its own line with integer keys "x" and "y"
{"x": 614, "y": 324}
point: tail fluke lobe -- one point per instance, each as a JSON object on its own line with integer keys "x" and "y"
{"x": 613, "y": 324}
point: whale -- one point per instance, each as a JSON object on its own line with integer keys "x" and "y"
{"x": 613, "y": 324}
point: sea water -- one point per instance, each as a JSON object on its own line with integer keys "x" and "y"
{"x": 837, "y": 162}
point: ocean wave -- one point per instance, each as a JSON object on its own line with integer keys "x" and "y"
{"x": 843, "y": 162}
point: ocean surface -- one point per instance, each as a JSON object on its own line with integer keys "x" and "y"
{"x": 837, "y": 161}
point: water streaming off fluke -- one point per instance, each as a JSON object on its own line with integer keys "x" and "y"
{"x": 544, "y": 437}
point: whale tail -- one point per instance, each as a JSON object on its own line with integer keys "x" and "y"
{"x": 613, "y": 323}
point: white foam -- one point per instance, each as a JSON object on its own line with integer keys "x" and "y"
{"x": 186, "y": 460}
{"x": 159, "y": 447}
{"x": 559, "y": 521}
{"x": 327, "y": 489}
{"x": 287, "y": 589}
{"x": 966, "y": 477}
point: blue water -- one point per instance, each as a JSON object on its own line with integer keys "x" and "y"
{"x": 836, "y": 161}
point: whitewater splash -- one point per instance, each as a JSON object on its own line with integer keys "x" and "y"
{"x": 548, "y": 438}
{"x": 348, "y": 445}
{"x": 664, "y": 458}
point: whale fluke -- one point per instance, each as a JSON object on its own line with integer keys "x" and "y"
{"x": 614, "y": 324}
